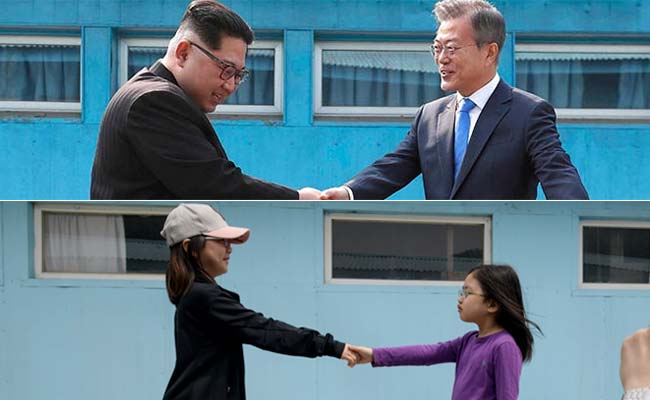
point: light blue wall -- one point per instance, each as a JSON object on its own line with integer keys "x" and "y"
{"x": 80, "y": 339}
{"x": 52, "y": 158}
{"x": 4, "y": 361}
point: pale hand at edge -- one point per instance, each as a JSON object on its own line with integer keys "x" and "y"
{"x": 635, "y": 364}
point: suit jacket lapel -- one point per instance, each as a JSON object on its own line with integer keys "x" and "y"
{"x": 160, "y": 70}
{"x": 445, "y": 144}
{"x": 496, "y": 107}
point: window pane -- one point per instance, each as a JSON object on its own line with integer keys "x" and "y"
{"x": 583, "y": 80}
{"x": 259, "y": 89}
{"x": 146, "y": 250}
{"x": 99, "y": 243}
{"x": 40, "y": 73}
{"x": 379, "y": 78}
{"x": 404, "y": 250}
{"x": 616, "y": 255}
{"x": 141, "y": 57}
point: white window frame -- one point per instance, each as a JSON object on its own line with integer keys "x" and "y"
{"x": 615, "y": 114}
{"x": 424, "y": 219}
{"x": 87, "y": 209}
{"x": 607, "y": 224}
{"x": 44, "y": 106}
{"x": 356, "y": 111}
{"x": 275, "y": 109}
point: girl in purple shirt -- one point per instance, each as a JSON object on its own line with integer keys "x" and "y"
{"x": 488, "y": 361}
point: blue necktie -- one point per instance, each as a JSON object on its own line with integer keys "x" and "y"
{"x": 462, "y": 133}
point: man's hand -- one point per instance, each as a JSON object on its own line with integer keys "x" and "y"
{"x": 308, "y": 193}
{"x": 335, "y": 193}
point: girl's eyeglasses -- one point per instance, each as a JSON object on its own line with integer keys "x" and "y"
{"x": 464, "y": 292}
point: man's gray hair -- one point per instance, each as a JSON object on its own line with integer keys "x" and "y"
{"x": 488, "y": 23}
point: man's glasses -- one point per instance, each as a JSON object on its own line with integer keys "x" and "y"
{"x": 464, "y": 292}
{"x": 226, "y": 242}
{"x": 227, "y": 70}
{"x": 437, "y": 49}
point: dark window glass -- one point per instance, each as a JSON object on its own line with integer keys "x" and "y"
{"x": 141, "y": 57}
{"x": 405, "y": 250}
{"x": 585, "y": 80}
{"x": 40, "y": 73}
{"x": 616, "y": 255}
{"x": 146, "y": 250}
{"x": 379, "y": 78}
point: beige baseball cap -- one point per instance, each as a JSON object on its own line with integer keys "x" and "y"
{"x": 192, "y": 219}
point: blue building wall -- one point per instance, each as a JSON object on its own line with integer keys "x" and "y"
{"x": 46, "y": 158}
{"x": 108, "y": 339}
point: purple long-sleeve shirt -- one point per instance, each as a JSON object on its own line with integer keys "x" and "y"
{"x": 487, "y": 368}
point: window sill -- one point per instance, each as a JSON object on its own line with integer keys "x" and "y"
{"x": 613, "y": 290}
{"x": 23, "y": 117}
{"x": 150, "y": 282}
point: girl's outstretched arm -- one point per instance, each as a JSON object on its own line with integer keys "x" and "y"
{"x": 424, "y": 354}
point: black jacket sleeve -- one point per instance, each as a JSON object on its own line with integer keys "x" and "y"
{"x": 173, "y": 143}
{"x": 250, "y": 327}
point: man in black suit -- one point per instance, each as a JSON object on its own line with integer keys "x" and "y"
{"x": 155, "y": 141}
{"x": 486, "y": 141}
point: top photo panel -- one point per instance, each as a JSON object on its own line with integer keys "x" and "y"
{"x": 325, "y": 100}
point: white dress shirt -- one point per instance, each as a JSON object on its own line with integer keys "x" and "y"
{"x": 480, "y": 98}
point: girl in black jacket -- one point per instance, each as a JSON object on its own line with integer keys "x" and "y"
{"x": 211, "y": 324}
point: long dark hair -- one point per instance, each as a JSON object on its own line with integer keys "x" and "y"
{"x": 501, "y": 285}
{"x": 183, "y": 267}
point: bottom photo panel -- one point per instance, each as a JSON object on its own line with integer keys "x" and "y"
{"x": 414, "y": 300}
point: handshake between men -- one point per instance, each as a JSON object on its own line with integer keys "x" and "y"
{"x": 335, "y": 193}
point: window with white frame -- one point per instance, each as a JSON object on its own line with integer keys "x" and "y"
{"x": 377, "y": 79}
{"x": 403, "y": 249}
{"x": 615, "y": 254}
{"x": 40, "y": 74}
{"x": 88, "y": 241}
{"x": 261, "y": 93}
{"x": 588, "y": 81}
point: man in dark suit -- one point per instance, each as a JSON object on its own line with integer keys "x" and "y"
{"x": 155, "y": 141}
{"x": 486, "y": 141}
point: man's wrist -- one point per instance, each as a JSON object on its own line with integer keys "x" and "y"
{"x": 350, "y": 194}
